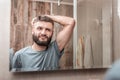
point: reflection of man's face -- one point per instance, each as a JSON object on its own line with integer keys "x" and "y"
{"x": 42, "y": 33}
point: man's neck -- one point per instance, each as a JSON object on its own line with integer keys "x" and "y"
{"x": 38, "y": 48}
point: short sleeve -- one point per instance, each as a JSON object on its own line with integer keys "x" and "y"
{"x": 59, "y": 53}
{"x": 16, "y": 63}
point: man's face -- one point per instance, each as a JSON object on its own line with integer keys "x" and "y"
{"x": 42, "y": 33}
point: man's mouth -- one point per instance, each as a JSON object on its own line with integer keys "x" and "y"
{"x": 43, "y": 37}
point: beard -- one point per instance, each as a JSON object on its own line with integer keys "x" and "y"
{"x": 39, "y": 42}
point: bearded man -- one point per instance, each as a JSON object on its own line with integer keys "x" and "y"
{"x": 44, "y": 54}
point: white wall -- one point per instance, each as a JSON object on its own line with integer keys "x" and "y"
{"x": 4, "y": 38}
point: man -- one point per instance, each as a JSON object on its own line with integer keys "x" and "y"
{"x": 44, "y": 54}
{"x": 114, "y": 72}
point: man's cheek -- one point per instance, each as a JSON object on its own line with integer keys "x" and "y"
{"x": 36, "y": 33}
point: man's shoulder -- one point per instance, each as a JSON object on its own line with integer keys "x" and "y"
{"x": 23, "y": 50}
{"x": 116, "y": 64}
{"x": 113, "y": 72}
{"x": 53, "y": 43}
{"x": 53, "y": 46}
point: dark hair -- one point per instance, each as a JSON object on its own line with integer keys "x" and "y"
{"x": 42, "y": 18}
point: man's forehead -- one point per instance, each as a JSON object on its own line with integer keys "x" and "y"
{"x": 42, "y": 24}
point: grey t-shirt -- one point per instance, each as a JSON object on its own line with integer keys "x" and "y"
{"x": 28, "y": 59}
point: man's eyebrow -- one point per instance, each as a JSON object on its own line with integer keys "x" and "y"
{"x": 39, "y": 26}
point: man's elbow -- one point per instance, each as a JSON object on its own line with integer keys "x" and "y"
{"x": 72, "y": 22}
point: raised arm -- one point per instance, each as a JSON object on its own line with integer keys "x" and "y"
{"x": 64, "y": 35}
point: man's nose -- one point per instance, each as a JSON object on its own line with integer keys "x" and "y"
{"x": 43, "y": 31}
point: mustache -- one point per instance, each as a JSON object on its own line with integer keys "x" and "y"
{"x": 43, "y": 35}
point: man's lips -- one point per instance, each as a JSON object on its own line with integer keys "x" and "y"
{"x": 43, "y": 37}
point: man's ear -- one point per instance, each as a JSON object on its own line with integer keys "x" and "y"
{"x": 32, "y": 31}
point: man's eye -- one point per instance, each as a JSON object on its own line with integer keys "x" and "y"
{"x": 48, "y": 29}
{"x": 39, "y": 28}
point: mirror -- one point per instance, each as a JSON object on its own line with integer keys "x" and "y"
{"x": 90, "y": 44}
